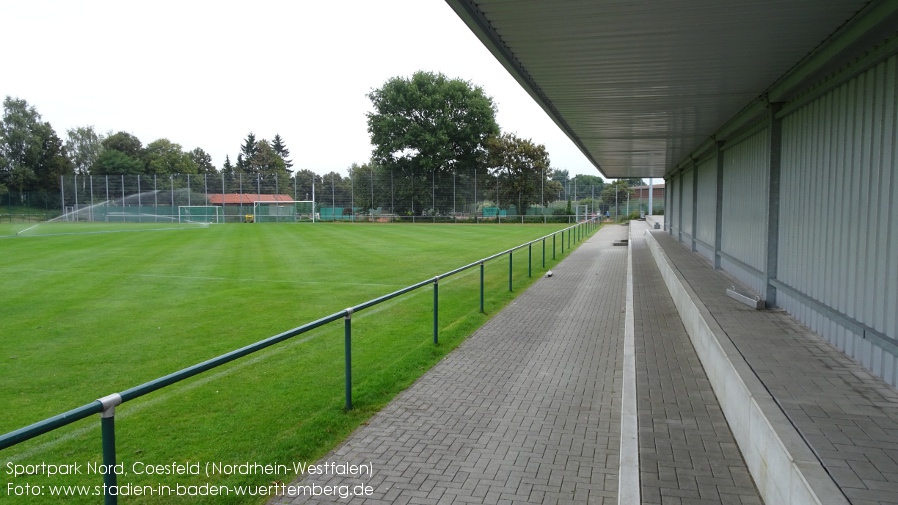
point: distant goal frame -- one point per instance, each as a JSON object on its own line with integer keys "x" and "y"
{"x": 295, "y": 217}
{"x": 185, "y": 218}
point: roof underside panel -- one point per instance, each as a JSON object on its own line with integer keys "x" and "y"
{"x": 639, "y": 84}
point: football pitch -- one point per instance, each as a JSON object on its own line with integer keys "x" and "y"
{"x": 91, "y": 309}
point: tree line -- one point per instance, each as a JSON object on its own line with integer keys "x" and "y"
{"x": 424, "y": 129}
{"x": 33, "y": 156}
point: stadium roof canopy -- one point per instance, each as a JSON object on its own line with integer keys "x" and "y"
{"x": 639, "y": 85}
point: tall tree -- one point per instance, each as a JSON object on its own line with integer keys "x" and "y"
{"x": 281, "y": 150}
{"x": 115, "y": 162}
{"x": 20, "y": 144}
{"x": 126, "y": 143}
{"x": 429, "y": 122}
{"x": 266, "y": 163}
{"x": 247, "y": 150}
{"x": 522, "y": 168}
{"x": 52, "y": 161}
{"x": 203, "y": 161}
{"x": 123, "y": 154}
{"x": 84, "y": 146}
{"x": 165, "y": 157}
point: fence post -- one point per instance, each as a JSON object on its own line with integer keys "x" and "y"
{"x": 481, "y": 288}
{"x": 436, "y": 309}
{"x": 530, "y": 259}
{"x": 553, "y": 245}
{"x": 544, "y": 253}
{"x": 510, "y": 253}
{"x": 347, "y": 345}
{"x": 107, "y": 427}
{"x": 562, "y": 240}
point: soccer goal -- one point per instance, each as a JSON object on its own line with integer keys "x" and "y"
{"x": 289, "y": 211}
{"x": 205, "y": 214}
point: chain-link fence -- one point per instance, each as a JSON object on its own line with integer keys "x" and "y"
{"x": 29, "y": 206}
{"x": 364, "y": 195}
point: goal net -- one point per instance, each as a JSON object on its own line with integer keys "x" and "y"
{"x": 290, "y": 211}
{"x": 199, "y": 214}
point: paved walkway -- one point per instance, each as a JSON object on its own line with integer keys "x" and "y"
{"x": 526, "y": 410}
{"x": 687, "y": 452}
{"x": 848, "y": 417}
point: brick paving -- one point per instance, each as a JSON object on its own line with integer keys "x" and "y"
{"x": 687, "y": 453}
{"x": 526, "y": 410}
{"x": 847, "y": 416}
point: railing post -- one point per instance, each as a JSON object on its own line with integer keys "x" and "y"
{"x": 347, "y": 345}
{"x": 510, "y": 253}
{"x": 544, "y": 253}
{"x": 553, "y": 245}
{"x": 107, "y": 428}
{"x": 481, "y": 288}
{"x": 562, "y": 241}
{"x": 436, "y": 309}
{"x": 530, "y": 259}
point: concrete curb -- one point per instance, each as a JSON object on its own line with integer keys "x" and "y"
{"x": 783, "y": 466}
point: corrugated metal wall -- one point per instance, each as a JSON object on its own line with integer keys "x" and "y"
{"x": 688, "y": 210}
{"x": 673, "y": 209}
{"x": 837, "y": 246}
{"x": 706, "y": 207}
{"x": 839, "y": 214}
{"x": 745, "y": 186}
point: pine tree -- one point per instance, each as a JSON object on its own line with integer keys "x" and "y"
{"x": 248, "y": 149}
{"x": 281, "y": 150}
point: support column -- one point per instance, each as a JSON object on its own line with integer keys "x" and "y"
{"x": 693, "y": 245}
{"x": 718, "y": 226}
{"x": 680, "y": 209}
{"x": 775, "y": 132}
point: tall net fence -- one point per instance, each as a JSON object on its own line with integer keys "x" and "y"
{"x": 372, "y": 196}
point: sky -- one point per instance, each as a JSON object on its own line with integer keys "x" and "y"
{"x": 205, "y": 74}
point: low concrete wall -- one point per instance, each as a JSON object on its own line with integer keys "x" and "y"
{"x": 781, "y": 463}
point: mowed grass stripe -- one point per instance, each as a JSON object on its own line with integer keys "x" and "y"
{"x": 174, "y": 299}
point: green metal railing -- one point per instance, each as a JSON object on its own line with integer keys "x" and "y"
{"x": 106, "y": 405}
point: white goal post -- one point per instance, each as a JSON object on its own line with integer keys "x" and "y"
{"x": 199, "y": 214}
{"x": 283, "y": 211}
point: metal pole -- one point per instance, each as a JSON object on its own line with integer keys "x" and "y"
{"x": 544, "y": 252}
{"x": 347, "y": 346}
{"x": 75, "y": 184}
{"x": 62, "y": 196}
{"x": 553, "y": 245}
{"x": 530, "y": 259}
{"x": 436, "y": 309}
{"x": 510, "y": 263}
{"x": 481, "y": 288}
{"x": 650, "y": 196}
{"x": 107, "y": 427}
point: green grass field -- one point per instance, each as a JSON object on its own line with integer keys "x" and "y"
{"x": 93, "y": 309}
